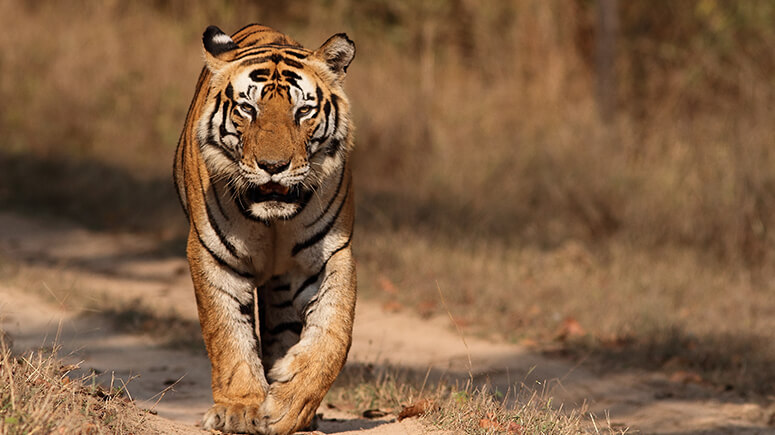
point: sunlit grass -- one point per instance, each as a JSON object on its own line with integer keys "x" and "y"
{"x": 38, "y": 396}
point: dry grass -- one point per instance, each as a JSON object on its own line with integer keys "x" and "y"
{"x": 37, "y": 396}
{"x": 663, "y": 309}
{"x": 453, "y": 407}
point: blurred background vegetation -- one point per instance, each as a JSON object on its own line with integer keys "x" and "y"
{"x": 539, "y": 159}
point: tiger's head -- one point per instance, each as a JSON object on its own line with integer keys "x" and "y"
{"x": 275, "y": 121}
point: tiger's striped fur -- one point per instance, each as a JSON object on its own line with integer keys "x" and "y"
{"x": 262, "y": 172}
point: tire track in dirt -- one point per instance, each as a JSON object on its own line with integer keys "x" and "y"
{"x": 59, "y": 268}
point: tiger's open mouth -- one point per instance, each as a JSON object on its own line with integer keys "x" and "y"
{"x": 271, "y": 191}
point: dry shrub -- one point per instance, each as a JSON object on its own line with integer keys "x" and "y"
{"x": 37, "y": 396}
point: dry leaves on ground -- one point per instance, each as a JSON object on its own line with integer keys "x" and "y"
{"x": 417, "y": 408}
{"x": 489, "y": 422}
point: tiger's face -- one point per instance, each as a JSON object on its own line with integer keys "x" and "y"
{"x": 276, "y": 121}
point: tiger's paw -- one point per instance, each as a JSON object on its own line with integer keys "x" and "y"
{"x": 235, "y": 418}
{"x": 287, "y": 410}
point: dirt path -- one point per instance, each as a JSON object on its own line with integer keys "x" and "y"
{"x": 58, "y": 269}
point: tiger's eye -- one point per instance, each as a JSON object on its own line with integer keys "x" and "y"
{"x": 303, "y": 110}
{"x": 247, "y": 108}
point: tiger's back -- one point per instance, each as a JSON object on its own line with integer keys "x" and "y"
{"x": 262, "y": 172}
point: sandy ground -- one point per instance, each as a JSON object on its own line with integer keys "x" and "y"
{"x": 57, "y": 268}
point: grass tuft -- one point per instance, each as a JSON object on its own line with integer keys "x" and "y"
{"x": 38, "y": 396}
{"x": 366, "y": 388}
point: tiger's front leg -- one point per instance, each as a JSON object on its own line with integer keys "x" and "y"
{"x": 224, "y": 299}
{"x": 302, "y": 377}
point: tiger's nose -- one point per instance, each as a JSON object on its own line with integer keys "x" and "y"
{"x": 273, "y": 166}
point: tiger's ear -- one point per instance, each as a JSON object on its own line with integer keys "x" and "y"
{"x": 337, "y": 53}
{"x": 219, "y": 48}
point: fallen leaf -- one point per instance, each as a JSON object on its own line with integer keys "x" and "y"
{"x": 374, "y": 413}
{"x": 426, "y": 308}
{"x": 569, "y": 328}
{"x": 417, "y": 408}
{"x": 392, "y": 306}
{"x": 616, "y": 342}
{"x": 487, "y": 424}
{"x": 68, "y": 368}
{"x": 528, "y": 342}
{"x": 387, "y": 285}
{"x": 685, "y": 377}
{"x": 534, "y": 310}
{"x": 514, "y": 428}
{"x": 675, "y": 362}
{"x": 461, "y": 322}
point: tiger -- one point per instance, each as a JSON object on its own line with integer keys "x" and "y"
{"x": 263, "y": 174}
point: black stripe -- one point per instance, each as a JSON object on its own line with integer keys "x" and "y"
{"x": 213, "y": 224}
{"x": 253, "y": 52}
{"x": 284, "y": 47}
{"x": 291, "y": 74}
{"x": 319, "y": 95}
{"x": 245, "y": 36}
{"x": 309, "y": 281}
{"x": 218, "y": 201}
{"x": 293, "y": 83}
{"x": 221, "y": 150}
{"x": 335, "y": 103}
{"x": 258, "y": 73}
{"x": 312, "y": 279}
{"x": 248, "y": 313}
{"x": 218, "y": 259}
{"x": 274, "y": 57}
{"x": 224, "y": 292}
{"x": 266, "y": 48}
{"x": 333, "y": 147}
{"x": 282, "y": 288}
{"x": 330, "y": 202}
{"x": 295, "y": 54}
{"x": 266, "y": 89}
{"x": 285, "y": 304}
{"x": 322, "y": 233}
{"x": 222, "y": 129}
{"x": 286, "y": 89}
{"x": 309, "y": 308}
{"x": 230, "y": 92}
{"x": 314, "y": 299}
{"x": 294, "y": 327}
{"x": 246, "y": 309}
{"x": 181, "y": 192}
{"x": 212, "y": 115}
{"x": 293, "y": 63}
{"x": 326, "y": 113}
